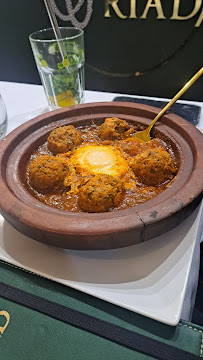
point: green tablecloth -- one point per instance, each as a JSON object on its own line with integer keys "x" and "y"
{"x": 33, "y": 335}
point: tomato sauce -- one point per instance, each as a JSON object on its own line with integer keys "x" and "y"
{"x": 135, "y": 192}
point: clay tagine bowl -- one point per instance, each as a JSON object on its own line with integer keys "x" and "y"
{"x": 108, "y": 230}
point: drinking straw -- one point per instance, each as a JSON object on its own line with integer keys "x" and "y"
{"x": 55, "y": 27}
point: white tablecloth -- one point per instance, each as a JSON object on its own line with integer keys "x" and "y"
{"x": 28, "y": 100}
{"x": 25, "y": 101}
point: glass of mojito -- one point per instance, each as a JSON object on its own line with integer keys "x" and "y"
{"x": 61, "y": 65}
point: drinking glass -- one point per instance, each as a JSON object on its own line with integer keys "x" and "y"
{"x": 3, "y": 118}
{"x": 60, "y": 65}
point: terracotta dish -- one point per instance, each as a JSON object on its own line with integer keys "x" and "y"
{"x": 106, "y": 230}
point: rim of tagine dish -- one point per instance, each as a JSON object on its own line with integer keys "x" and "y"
{"x": 108, "y": 230}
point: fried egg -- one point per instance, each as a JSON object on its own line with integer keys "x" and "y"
{"x": 99, "y": 160}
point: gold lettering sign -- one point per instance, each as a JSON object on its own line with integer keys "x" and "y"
{"x": 7, "y": 316}
{"x": 133, "y": 9}
{"x": 114, "y": 5}
{"x": 157, "y": 5}
{"x": 175, "y": 9}
{"x": 176, "y": 16}
{"x": 200, "y": 19}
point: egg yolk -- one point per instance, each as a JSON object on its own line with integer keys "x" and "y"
{"x": 99, "y": 160}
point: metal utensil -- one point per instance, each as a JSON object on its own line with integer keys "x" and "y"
{"x": 145, "y": 134}
{"x": 55, "y": 28}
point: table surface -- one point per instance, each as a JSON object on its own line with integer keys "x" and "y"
{"x": 27, "y": 98}
{"x": 25, "y": 101}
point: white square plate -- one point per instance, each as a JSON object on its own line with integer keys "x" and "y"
{"x": 148, "y": 278}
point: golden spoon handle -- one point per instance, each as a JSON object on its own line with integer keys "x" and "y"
{"x": 176, "y": 97}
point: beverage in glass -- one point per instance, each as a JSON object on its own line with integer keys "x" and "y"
{"x": 3, "y": 118}
{"x": 60, "y": 65}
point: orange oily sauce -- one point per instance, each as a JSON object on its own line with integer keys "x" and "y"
{"x": 83, "y": 167}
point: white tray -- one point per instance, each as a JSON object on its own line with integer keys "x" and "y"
{"x": 149, "y": 278}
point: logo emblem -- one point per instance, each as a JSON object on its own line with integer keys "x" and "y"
{"x": 72, "y": 11}
{"x": 7, "y": 316}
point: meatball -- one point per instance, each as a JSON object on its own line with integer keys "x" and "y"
{"x": 47, "y": 173}
{"x": 64, "y": 139}
{"x": 101, "y": 193}
{"x": 113, "y": 129}
{"x": 154, "y": 167}
{"x": 134, "y": 146}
